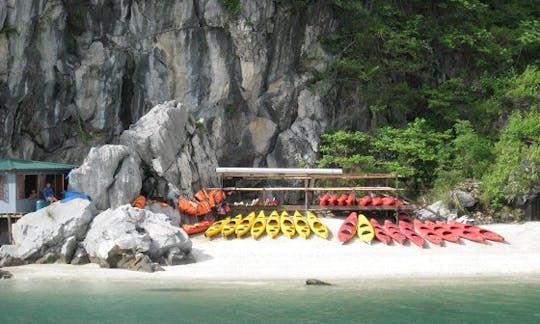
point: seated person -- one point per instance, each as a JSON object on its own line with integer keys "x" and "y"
{"x": 33, "y": 194}
{"x": 48, "y": 193}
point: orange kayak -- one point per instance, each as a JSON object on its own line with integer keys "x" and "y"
{"x": 197, "y": 227}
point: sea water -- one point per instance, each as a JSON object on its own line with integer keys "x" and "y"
{"x": 369, "y": 301}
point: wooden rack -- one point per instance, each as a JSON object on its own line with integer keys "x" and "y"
{"x": 309, "y": 179}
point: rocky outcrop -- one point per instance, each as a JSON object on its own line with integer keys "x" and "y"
{"x": 3, "y": 273}
{"x": 136, "y": 239}
{"x": 176, "y": 155}
{"x": 49, "y": 234}
{"x": 250, "y": 80}
{"x": 109, "y": 175}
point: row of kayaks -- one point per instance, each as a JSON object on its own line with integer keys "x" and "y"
{"x": 417, "y": 232}
{"x": 257, "y": 224}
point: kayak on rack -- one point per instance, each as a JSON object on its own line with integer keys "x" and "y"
{"x": 394, "y": 232}
{"x": 230, "y": 226}
{"x": 257, "y": 229}
{"x": 365, "y": 231}
{"x": 301, "y": 225}
{"x": 245, "y": 225}
{"x": 286, "y": 224}
{"x": 348, "y": 228}
{"x": 272, "y": 224}
{"x": 317, "y": 225}
{"x": 427, "y": 233}
{"x": 380, "y": 233}
{"x": 198, "y": 227}
{"x": 216, "y": 228}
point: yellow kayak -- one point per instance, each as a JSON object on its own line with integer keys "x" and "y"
{"x": 316, "y": 225}
{"x": 287, "y": 225}
{"x": 302, "y": 227}
{"x": 365, "y": 230}
{"x": 245, "y": 225}
{"x": 230, "y": 226}
{"x": 258, "y": 225}
{"x": 272, "y": 225}
{"x": 215, "y": 228}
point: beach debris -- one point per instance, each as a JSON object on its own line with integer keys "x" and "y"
{"x": 135, "y": 239}
{"x": 317, "y": 282}
{"x": 42, "y": 235}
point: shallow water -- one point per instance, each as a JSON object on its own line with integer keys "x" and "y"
{"x": 451, "y": 301}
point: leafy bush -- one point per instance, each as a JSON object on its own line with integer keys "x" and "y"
{"x": 516, "y": 171}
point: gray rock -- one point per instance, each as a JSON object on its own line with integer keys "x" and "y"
{"x": 5, "y": 274}
{"x": 464, "y": 199}
{"x": 175, "y": 151}
{"x": 95, "y": 70}
{"x": 317, "y": 282}
{"x": 80, "y": 256}
{"x": 117, "y": 237}
{"x": 68, "y": 249}
{"x": 42, "y": 234}
{"x": 137, "y": 262}
{"x": 172, "y": 213}
{"x": 434, "y": 211}
{"x": 109, "y": 175}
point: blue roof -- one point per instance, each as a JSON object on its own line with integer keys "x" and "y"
{"x": 28, "y": 165}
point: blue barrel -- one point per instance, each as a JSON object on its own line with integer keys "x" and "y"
{"x": 40, "y": 203}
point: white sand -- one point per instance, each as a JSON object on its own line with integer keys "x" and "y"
{"x": 297, "y": 258}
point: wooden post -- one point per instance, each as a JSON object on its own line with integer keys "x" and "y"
{"x": 306, "y": 181}
{"x": 10, "y": 239}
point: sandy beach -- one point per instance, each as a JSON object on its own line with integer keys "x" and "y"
{"x": 298, "y": 259}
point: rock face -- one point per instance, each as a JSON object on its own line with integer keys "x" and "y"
{"x": 435, "y": 211}
{"x": 174, "y": 152}
{"x": 251, "y": 80}
{"x": 49, "y": 234}
{"x": 109, "y": 175}
{"x": 136, "y": 239}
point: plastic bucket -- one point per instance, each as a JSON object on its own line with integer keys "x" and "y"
{"x": 40, "y": 203}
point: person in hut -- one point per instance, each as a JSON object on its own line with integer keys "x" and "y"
{"x": 48, "y": 193}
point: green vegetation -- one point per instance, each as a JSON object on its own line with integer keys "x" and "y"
{"x": 457, "y": 83}
{"x": 8, "y": 30}
{"x": 233, "y": 6}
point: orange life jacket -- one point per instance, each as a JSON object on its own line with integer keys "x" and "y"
{"x": 139, "y": 202}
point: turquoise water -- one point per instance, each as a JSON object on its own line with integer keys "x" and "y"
{"x": 458, "y": 301}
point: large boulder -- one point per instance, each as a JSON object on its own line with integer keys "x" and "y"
{"x": 173, "y": 149}
{"x": 49, "y": 234}
{"x": 435, "y": 211}
{"x": 136, "y": 239}
{"x": 110, "y": 175}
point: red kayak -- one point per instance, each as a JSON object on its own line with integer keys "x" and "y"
{"x": 486, "y": 234}
{"x": 427, "y": 233}
{"x": 197, "y": 227}
{"x": 333, "y": 200}
{"x": 444, "y": 231}
{"x": 323, "y": 201}
{"x": 376, "y": 201}
{"x": 350, "y": 200}
{"x": 348, "y": 228}
{"x": 388, "y": 201}
{"x": 405, "y": 219}
{"x": 380, "y": 233}
{"x": 342, "y": 200}
{"x": 394, "y": 232}
{"x": 411, "y": 234}
{"x": 465, "y": 233}
{"x": 364, "y": 201}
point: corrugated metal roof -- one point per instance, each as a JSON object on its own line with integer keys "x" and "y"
{"x": 28, "y": 165}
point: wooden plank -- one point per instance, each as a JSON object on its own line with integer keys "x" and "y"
{"x": 310, "y": 189}
{"x": 317, "y": 207}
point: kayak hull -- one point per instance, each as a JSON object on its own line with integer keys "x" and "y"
{"x": 348, "y": 228}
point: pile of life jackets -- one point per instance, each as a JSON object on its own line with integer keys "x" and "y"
{"x": 203, "y": 203}
{"x": 330, "y": 199}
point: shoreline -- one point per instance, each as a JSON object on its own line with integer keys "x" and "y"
{"x": 291, "y": 260}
